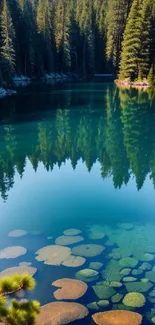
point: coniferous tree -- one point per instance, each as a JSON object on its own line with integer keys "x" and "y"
{"x": 7, "y": 51}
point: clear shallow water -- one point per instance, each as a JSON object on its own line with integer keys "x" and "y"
{"x": 78, "y": 155}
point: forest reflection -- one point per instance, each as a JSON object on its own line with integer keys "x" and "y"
{"x": 118, "y": 131}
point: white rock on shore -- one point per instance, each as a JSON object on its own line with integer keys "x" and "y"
{"x": 6, "y": 92}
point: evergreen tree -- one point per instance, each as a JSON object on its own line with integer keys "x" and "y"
{"x": 131, "y": 45}
{"x": 7, "y": 51}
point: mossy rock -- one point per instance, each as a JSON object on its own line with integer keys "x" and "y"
{"x": 93, "y": 306}
{"x": 145, "y": 266}
{"x": 134, "y": 299}
{"x": 153, "y": 320}
{"x": 117, "y": 298}
{"x": 146, "y": 257}
{"x": 129, "y": 279}
{"x": 103, "y": 292}
{"x": 137, "y": 272}
{"x": 103, "y": 303}
{"x": 144, "y": 280}
{"x": 151, "y": 299}
{"x": 138, "y": 286}
{"x": 126, "y": 226}
{"x": 95, "y": 265}
{"x": 125, "y": 271}
{"x": 115, "y": 284}
{"x": 87, "y": 275}
{"x": 128, "y": 262}
{"x": 122, "y": 307}
{"x": 112, "y": 271}
{"x": 152, "y": 293}
{"x": 150, "y": 275}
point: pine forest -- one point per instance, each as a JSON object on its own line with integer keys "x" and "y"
{"x": 38, "y": 37}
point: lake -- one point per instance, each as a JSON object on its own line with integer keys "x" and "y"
{"x": 81, "y": 156}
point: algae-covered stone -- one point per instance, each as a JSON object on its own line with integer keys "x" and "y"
{"x": 150, "y": 275}
{"x": 103, "y": 303}
{"x": 121, "y": 306}
{"x": 128, "y": 262}
{"x": 146, "y": 257}
{"x": 134, "y": 299}
{"x": 103, "y": 292}
{"x": 87, "y": 275}
{"x": 137, "y": 272}
{"x": 129, "y": 279}
{"x": 152, "y": 293}
{"x": 144, "y": 280}
{"x": 125, "y": 271}
{"x": 115, "y": 284}
{"x": 116, "y": 298}
{"x": 153, "y": 320}
{"x": 93, "y": 306}
{"x": 151, "y": 299}
{"x": 126, "y": 226}
{"x": 138, "y": 286}
{"x": 145, "y": 266}
{"x": 112, "y": 271}
{"x": 88, "y": 250}
{"x": 95, "y": 265}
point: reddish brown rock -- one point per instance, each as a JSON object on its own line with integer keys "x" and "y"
{"x": 70, "y": 289}
{"x": 60, "y": 313}
{"x": 117, "y": 317}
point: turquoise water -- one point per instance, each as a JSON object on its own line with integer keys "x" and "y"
{"x": 72, "y": 157}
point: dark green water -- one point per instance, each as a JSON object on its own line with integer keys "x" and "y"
{"x": 75, "y": 156}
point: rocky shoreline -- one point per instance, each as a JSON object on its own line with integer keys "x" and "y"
{"x": 133, "y": 84}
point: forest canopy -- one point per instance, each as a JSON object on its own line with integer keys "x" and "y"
{"x": 79, "y": 36}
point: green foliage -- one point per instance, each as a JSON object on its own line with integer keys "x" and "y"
{"x": 18, "y": 312}
{"x": 23, "y": 313}
{"x": 7, "y": 49}
{"x": 28, "y": 283}
{"x": 151, "y": 76}
{"x": 16, "y": 282}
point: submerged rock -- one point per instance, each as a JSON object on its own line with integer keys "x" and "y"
{"x": 72, "y": 232}
{"x": 93, "y": 306}
{"x": 125, "y": 271}
{"x": 137, "y": 272}
{"x": 129, "y": 279}
{"x": 134, "y": 299}
{"x": 103, "y": 303}
{"x": 116, "y": 298}
{"x": 103, "y": 292}
{"x": 138, "y": 286}
{"x": 87, "y": 275}
{"x": 74, "y": 261}
{"x": 150, "y": 275}
{"x": 88, "y": 250}
{"x": 126, "y": 226}
{"x": 95, "y": 265}
{"x": 12, "y": 252}
{"x": 68, "y": 240}
{"x": 117, "y": 317}
{"x": 112, "y": 271}
{"x": 17, "y": 233}
{"x": 146, "y": 257}
{"x": 53, "y": 254}
{"x": 152, "y": 293}
{"x": 145, "y": 266}
{"x": 69, "y": 289}
{"x": 18, "y": 270}
{"x": 59, "y": 313}
{"x": 128, "y": 262}
{"x": 96, "y": 232}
